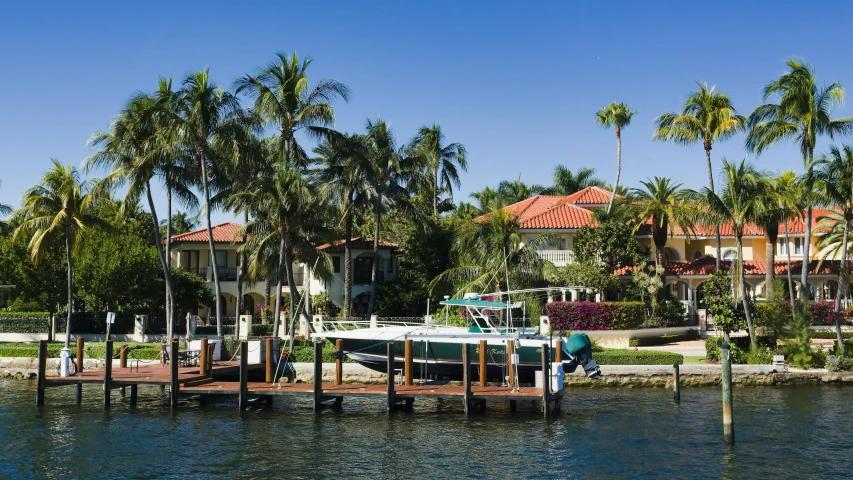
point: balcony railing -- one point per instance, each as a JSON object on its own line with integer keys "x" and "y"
{"x": 558, "y": 257}
{"x": 227, "y": 274}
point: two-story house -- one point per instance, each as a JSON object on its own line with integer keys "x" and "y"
{"x": 689, "y": 258}
{"x": 190, "y": 251}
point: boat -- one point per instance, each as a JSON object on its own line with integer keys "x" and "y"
{"x": 437, "y": 348}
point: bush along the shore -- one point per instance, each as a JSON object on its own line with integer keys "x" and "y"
{"x": 835, "y": 363}
{"x": 613, "y": 356}
{"x": 94, "y": 350}
{"x": 596, "y": 316}
{"x": 822, "y": 313}
{"x": 663, "y": 339}
{"x": 740, "y": 349}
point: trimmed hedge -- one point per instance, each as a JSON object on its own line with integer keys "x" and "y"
{"x": 615, "y": 356}
{"x": 830, "y": 334}
{"x": 25, "y": 325}
{"x": 596, "y": 315}
{"x": 96, "y": 350}
{"x": 4, "y": 314}
{"x": 663, "y": 339}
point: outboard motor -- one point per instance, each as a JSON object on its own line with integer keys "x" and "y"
{"x": 580, "y": 353}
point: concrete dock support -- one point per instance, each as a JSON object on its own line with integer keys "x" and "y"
{"x": 546, "y": 379}
{"x": 390, "y": 371}
{"x": 108, "y": 373}
{"x": 466, "y": 375}
{"x": 42, "y": 367}
{"x": 318, "y": 377}
{"x": 676, "y": 383}
{"x": 173, "y": 373}
{"x": 243, "y": 400}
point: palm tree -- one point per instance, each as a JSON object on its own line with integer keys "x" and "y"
{"x": 62, "y": 207}
{"x": 835, "y": 179}
{"x": 707, "y": 116}
{"x": 442, "y": 162}
{"x": 4, "y": 210}
{"x": 736, "y": 204}
{"x": 210, "y": 127}
{"x": 769, "y": 215}
{"x": 567, "y": 183}
{"x": 516, "y": 191}
{"x": 790, "y": 191}
{"x": 182, "y": 222}
{"x": 134, "y": 153}
{"x": 668, "y": 207}
{"x": 803, "y": 113}
{"x": 485, "y": 251}
{"x": 487, "y": 200}
{"x": 617, "y": 115}
{"x": 342, "y": 174}
{"x": 283, "y": 100}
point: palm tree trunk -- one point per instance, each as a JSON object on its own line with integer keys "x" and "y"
{"x": 279, "y": 278}
{"x": 375, "y": 274}
{"x": 216, "y": 288}
{"x": 241, "y": 272}
{"x": 717, "y": 226}
{"x": 171, "y": 320}
{"x": 70, "y": 277}
{"x": 804, "y": 275}
{"x": 268, "y": 287}
{"x": 291, "y": 281}
{"x": 618, "y": 166}
{"x": 790, "y": 275}
{"x": 841, "y": 271}
{"x": 769, "y": 261}
{"x": 745, "y": 297}
{"x": 164, "y": 263}
{"x": 435, "y": 191}
{"x": 348, "y": 259}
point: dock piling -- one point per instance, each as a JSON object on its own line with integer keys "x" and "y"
{"x": 510, "y": 351}
{"x": 268, "y": 358}
{"x": 409, "y": 362}
{"x": 728, "y": 422}
{"x": 484, "y": 365}
{"x": 133, "y": 392}
{"x": 546, "y": 379}
{"x": 42, "y": 367}
{"x": 676, "y": 383}
{"x": 202, "y": 357}
{"x": 108, "y": 373}
{"x": 318, "y": 377}
{"x": 466, "y": 375}
{"x": 390, "y": 371}
{"x": 173, "y": 373}
{"x": 558, "y": 351}
{"x": 243, "y": 400}
{"x": 122, "y": 362}
{"x": 339, "y": 362}
{"x": 80, "y": 354}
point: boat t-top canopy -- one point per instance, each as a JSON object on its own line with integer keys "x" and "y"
{"x": 470, "y": 302}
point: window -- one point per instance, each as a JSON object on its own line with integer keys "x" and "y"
{"x": 221, "y": 259}
{"x": 390, "y": 264}
{"x": 798, "y": 246}
{"x": 336, "y": 263}
{"x": 561, "y": 243}
{"x": 697, "y": 255}
{"x": 362, "y": 270}
{"x": 730, "y": 254}
{"x": 783, "y": 247}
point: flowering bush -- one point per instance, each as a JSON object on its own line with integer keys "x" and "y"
{"x": 596, "y": 315}
{"x": 823, "y": 313}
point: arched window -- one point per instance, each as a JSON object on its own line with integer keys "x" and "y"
{"x": 697, "y": 255}
{"x": 730, "y": 254}
{"x": 670, "y": 253}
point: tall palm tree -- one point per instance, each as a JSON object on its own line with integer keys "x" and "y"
{"x": 5, "y": 209}
{"x": 443, "y": 161}
{"x": 182, "y": 222}
{"x": 210, "y": 126}
{"x": 516, "y": 191}
{"x": 835, "y": 179}
{"x": 791, "y": 205}
{"x": 343, "y": 172}
{"x": 668, "y": 207}
{"x": 707, "y": 116}
{"x": 566, "y": 182}
{"x": 803, "y": 113}
{"x": 133, "y": 152}
{"x": 769, "y": 215}
{"x": 283, "y": 100}
{"x": 618, "y": 116}
{"x": 62, "y": 207}
{"x": 487, "y": 200}
{"x": 737, "y": 205}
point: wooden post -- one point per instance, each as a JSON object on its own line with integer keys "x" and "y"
{"x": 41, "y": 372}
{"x": 558, "y": 351}
{"x": 133, "y": 392}
{"x": 728, "y": 422}
{"x": 466, "y": 375}
{"x": 80, "y": 353}
{"x": 510, "y": 350}
{"x": 210, "y": 349}
{"x": 339, "y": 362}
{"x": 390, "y": 372}
{"x": 676, "y": 381}
{"x": 108, "y": 373}
{"x": 484, "y": 364}
{"x": 243, "y": 400}
{"x": 546, "y": 379}
{"x": 203, "y": 358}
{"x": 122, "y": 356}
{"x": 318, "y": 376}
{"x": 269, "y": 359}
{"x": 173, "y": 373}
{"x": 409, "y": 362}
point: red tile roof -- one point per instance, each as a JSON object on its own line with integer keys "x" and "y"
{"x": 591, "y": 196}
{"x": 222, "y": 233}
{"x": 707, "y": 265}
{"x": 565, "y": 216}
{"x": 361, "y": 243}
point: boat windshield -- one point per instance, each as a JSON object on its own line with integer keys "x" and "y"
{"x": 488, "y": 317}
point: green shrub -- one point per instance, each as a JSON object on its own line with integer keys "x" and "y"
{"x": 761, "y": 356}
{"x": 24, "y": 325}
{"x": 96, "y": 350}
{"x": 5, "y": 314}
{"x": 615, "y": 356}
{"x": 663, "y": 339}
{"x": 835, "y": 363}
{"x": 831, "y": 335}
{"x": 739, "y": 348}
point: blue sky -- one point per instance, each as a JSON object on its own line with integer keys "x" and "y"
{"x": 518, "y": 86}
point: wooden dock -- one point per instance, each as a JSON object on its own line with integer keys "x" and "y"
{"x": 206, "y": 381}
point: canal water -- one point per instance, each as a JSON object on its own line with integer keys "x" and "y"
{"x": 782, "y": 432}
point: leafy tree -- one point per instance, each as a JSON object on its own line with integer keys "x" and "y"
{"x": 609, "y": 245}
{"x": 191, "y": 291}
{"x": 42, "y": 284}
{"x": 803, "y": 113}
{"x": 618, "y": 116}
{"x": 722, "y": 306}
{"x": 707, "y": 116}
{"x": 443, "y": 161}
{"x": 650, "y": 283}
{"x": 61, "y": 207}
